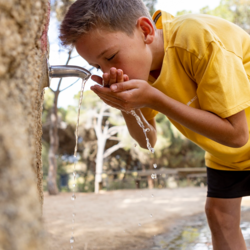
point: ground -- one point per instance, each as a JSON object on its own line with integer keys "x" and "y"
{"x": 121, "y": 220}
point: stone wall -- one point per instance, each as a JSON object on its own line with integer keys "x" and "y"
{"x": 23, "y": 50}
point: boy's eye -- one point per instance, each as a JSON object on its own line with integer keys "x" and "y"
{"x": 109, "y": 59}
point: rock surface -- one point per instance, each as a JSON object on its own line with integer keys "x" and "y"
{"x": 23, "y": 75}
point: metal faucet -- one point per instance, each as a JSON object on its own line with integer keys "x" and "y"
{"x": 68, "y": 71}
{"x": 59, "y": 71}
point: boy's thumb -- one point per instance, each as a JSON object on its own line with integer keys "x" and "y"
{"x": 97, "y": 79}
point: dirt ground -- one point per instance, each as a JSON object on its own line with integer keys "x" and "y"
{"x": 120, "y": 220}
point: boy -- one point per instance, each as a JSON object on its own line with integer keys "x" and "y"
{"x": 195, "y": 69}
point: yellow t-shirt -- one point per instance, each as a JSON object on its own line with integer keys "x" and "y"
{"x": 206, "y": 66}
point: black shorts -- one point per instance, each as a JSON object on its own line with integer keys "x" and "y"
{"x": 227, "y": 184}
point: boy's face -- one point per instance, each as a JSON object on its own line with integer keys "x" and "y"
{"x": 104, "y": 49}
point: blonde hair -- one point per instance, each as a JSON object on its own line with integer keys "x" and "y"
{"x": 113, "y": 15}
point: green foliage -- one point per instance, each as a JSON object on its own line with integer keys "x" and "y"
{"x": 236, "y": 11}
{"x": 45, "y": 159}
{"x": 47, "y": 104}
{"x": 173, "y": 150}
{"x": 183, "y": 12}
{"x": 151, "y": 5}
{"x": 222, "y": 11}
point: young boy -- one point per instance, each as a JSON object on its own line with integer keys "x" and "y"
{"x": 195, "y": 69}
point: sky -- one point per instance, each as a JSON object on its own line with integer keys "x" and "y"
{"x": 58, "y": 57}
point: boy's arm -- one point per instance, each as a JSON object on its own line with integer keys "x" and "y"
{"x": 232, "y": 132}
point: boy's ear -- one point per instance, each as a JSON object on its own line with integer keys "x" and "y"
{"x": 147, "y": 29}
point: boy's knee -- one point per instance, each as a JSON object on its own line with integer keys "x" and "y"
{"x": 219, "y": 220}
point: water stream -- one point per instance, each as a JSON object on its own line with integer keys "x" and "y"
{"x": 73, "y": 197}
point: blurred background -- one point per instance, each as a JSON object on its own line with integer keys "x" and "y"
{"x": 124, "y": 166}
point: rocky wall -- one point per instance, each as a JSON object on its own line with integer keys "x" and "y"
{"x": 23, "y": 74}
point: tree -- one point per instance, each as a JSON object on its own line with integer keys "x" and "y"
{"x": 236, "y": 11}
{"x": 104, "y": 133}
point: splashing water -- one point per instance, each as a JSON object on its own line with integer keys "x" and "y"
{"x": 145, "y": 130}
{"x": 73, "y": 197}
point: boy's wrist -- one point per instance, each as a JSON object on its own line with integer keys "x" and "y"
{"x": 153, "y": 100}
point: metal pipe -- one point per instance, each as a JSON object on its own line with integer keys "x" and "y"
{"x": 59, "y": 71}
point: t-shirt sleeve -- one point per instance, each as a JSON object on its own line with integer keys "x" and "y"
{"x": 223, "y": 86}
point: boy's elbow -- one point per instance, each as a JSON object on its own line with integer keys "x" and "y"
{"x": 241, "y": 140}
{"x": 152, "y": 143}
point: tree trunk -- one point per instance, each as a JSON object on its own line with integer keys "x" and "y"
{"x": 99, "y": 164}
{"x": 53, "y": 133}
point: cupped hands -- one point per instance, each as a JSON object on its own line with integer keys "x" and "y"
{"x": 116, "y": 90}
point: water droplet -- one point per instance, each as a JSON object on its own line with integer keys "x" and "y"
{"x": 152, "y": 196}
{"x": 146, "y": 130}
{"x": 153, "y": 176}
{"x": 72, "y": 247}
{"x": 72, "y": 240}
{"x": 73, "y": 184}
{"x": 155, "y": 165}
{"x": 74, "y": 174}
{"x": 139, "y": 224}
{"x": 135, "y": 145}
{"x": 73, "y": 197}
{"x": 151, "y": 215}
{"x": 73, "y": 214}
{"x": 152, "y": 150}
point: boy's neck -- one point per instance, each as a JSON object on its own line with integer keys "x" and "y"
{"x": 158, "y": 54}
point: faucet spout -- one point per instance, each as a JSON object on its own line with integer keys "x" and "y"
{"x": 59, "y": 71}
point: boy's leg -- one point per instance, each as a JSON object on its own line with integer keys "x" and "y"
{"x": 223, "y": 216}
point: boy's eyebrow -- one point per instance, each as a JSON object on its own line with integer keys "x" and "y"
{"x": 102, "y": 53}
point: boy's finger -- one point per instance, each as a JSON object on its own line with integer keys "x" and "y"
{"x": 125, "y": 78}
{"x": 97, "y": 79}
{"x": 122, "y": 86}
{"x": 113, "y": 74}
{"x": 106, "y": 79}
{"x": 119, "y": 75}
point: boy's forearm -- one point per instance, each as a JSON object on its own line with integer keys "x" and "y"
{"x": 136, "y": 131}
{"x": 197, "y": 120}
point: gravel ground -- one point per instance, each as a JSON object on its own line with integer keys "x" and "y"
{"x": 130, "y": 219}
